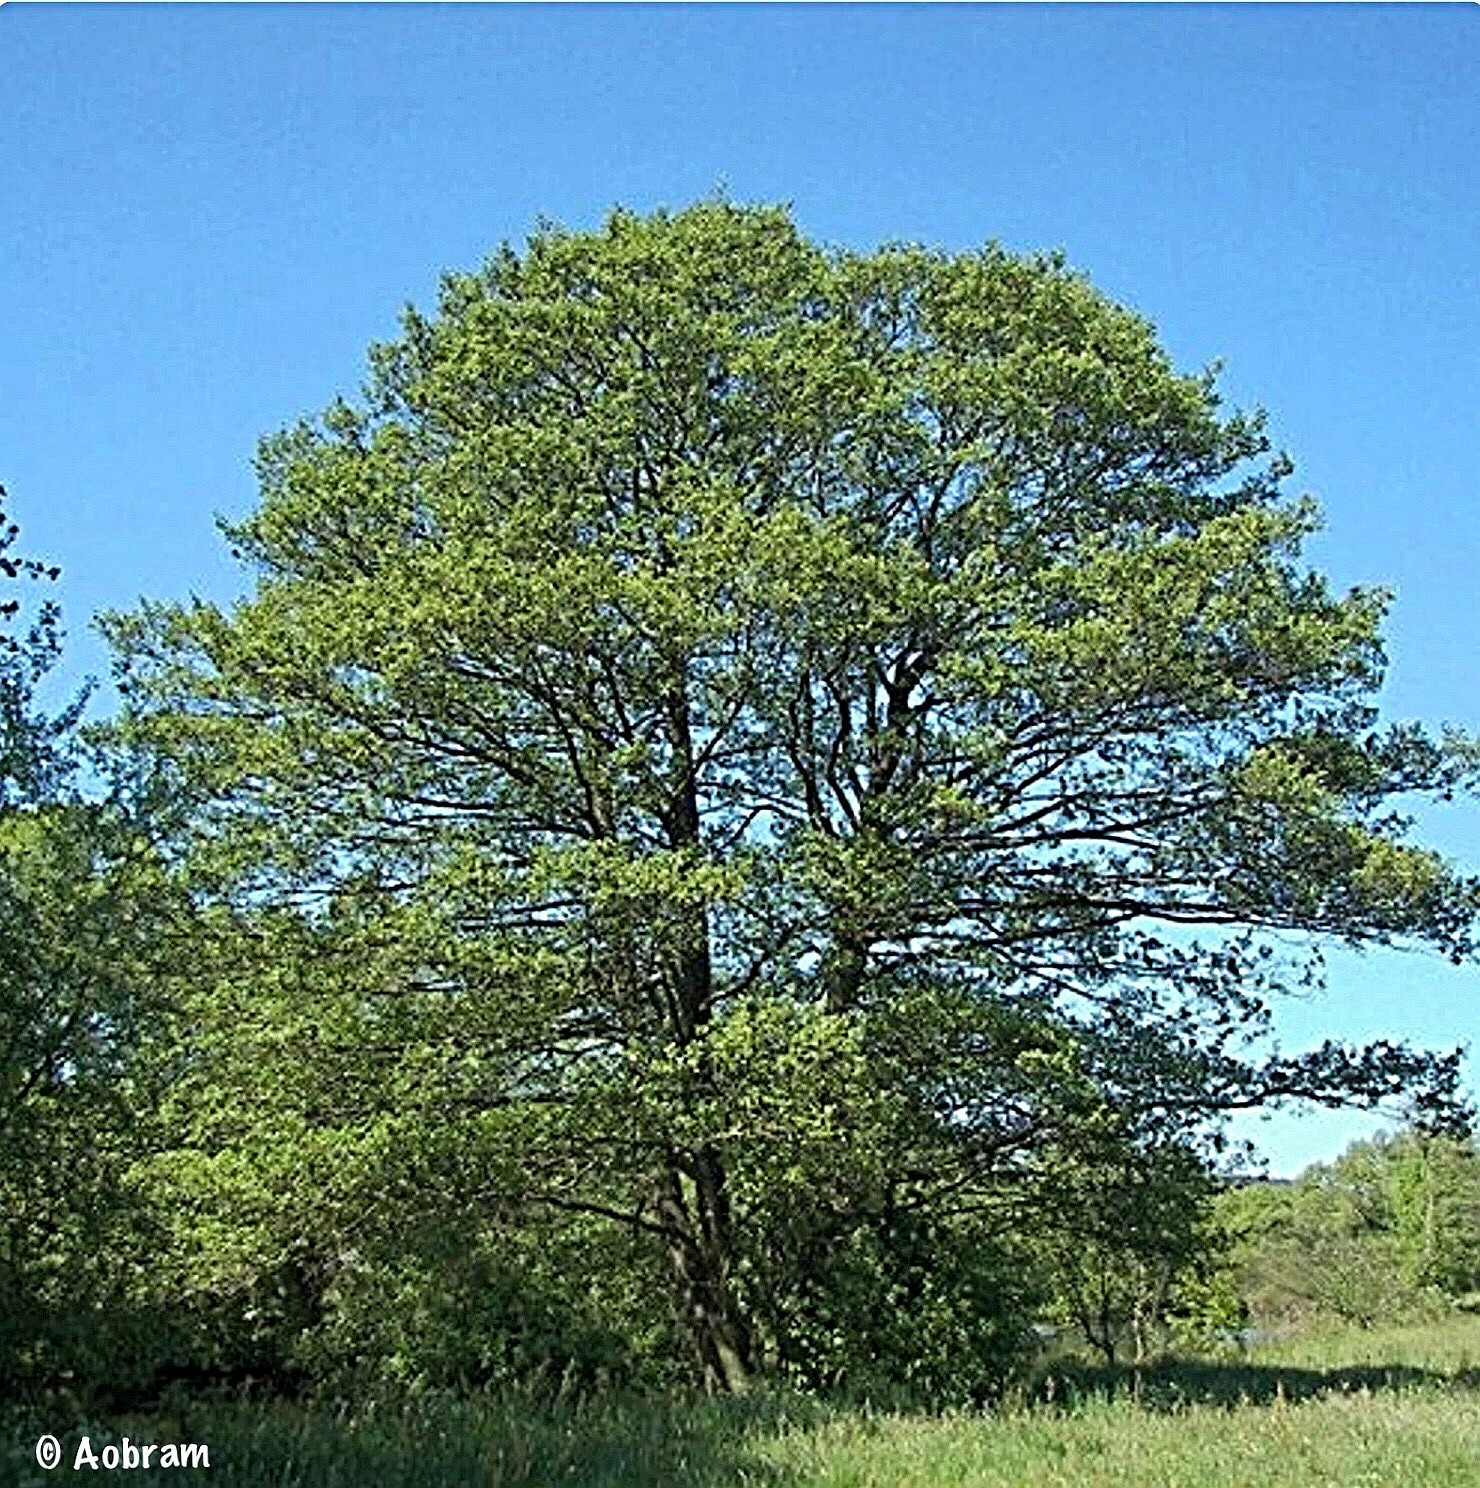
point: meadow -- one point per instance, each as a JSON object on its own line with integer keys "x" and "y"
{"x": 1373, "y": 1408}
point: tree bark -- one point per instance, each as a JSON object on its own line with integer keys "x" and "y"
{"x": 700, "y": 1252}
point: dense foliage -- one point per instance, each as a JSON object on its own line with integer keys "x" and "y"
{"x": 747, "y": 825}
{"x": 86, "y": 921}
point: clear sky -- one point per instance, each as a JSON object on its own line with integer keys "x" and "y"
{"x": 207, "y": 213}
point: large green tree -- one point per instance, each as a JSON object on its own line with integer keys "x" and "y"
{"x": 781, "y": 743}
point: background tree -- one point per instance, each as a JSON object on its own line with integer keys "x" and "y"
{"x": 1432, "y": 1182}
{"x": 788, "y": 743}
{"x": 81, "y": 931}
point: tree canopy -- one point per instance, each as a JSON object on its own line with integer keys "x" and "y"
{"x": 766, "y": 758}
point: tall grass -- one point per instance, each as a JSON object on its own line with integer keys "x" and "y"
{"x": 1392, "y": 1409}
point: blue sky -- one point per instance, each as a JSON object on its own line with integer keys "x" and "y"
{"x": 207, "y": 213}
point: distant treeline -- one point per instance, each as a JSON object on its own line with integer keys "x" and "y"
{"x": 1390, "y": 1229}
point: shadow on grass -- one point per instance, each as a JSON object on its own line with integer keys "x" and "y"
{"x": 685, "y": 1444}
{"x": 675, "y": 1444}
{"x": 1169, "y": 1384}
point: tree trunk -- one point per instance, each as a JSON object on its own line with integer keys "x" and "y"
{"x": 844, "y": 973}
{"x": 693, "y": 1196}
{"x": 695, "y": 1209}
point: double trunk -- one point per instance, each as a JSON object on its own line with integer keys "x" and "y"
{"x": 695, "y": 1212}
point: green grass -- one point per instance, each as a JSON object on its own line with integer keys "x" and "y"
{"x": 1391, "y": 1409}
{"x": 1451, "y": 1347}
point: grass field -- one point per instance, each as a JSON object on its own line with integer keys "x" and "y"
{"x": 1383, "y": 1409}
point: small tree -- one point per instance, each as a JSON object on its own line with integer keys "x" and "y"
{"x": 1128, "y": 1223}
